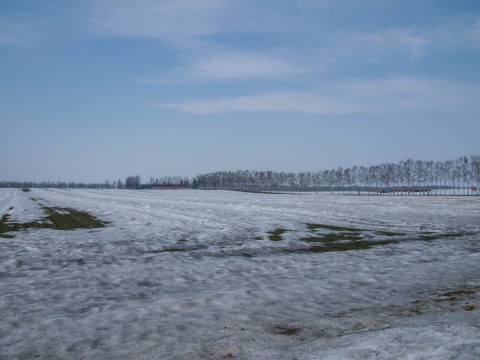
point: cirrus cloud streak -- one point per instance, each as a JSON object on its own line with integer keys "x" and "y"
{"x": 384, "y": 95}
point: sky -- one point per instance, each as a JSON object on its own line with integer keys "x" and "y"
{"x": 95, "y": 90}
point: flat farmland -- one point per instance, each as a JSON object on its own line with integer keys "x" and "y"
{"x": 119, "y": 274}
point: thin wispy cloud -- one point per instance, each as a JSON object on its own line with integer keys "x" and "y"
{"x": 310, "y": 103}
{"x": 379, "y": 46}
{"x": 175, "y": 21}
{"x": 18, "y": 33}
{"x": 241, "y": 66}
{"x": 407, "y": 93}
{"x": 179, "y": 19}
{"x": 384, "y": 95}
{"x": 198, "y": 29}
{"x": 404, "y": 42}
{"x": 458, "y": 32}
{"x": 231, "y": 66}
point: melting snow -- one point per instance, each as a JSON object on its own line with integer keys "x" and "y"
{"x": 193, "y": 275}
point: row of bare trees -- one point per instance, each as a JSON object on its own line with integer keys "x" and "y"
{"x": 169, "y": 181}
{"x": 460, "y": 176}
{"x": 131, "y": 182}
{"x": 60, "y": 185}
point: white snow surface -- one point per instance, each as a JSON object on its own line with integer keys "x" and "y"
{"x": 120, "y": 292}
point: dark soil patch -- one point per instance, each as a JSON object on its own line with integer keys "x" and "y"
{"x": 56, "y": 218}
{"x": 280, "y": 330}
{"x": 166, "y": 250}
{"x": 71, "y": 219}
{"x": 326, "y": 238}
{"x": 345, "y": 246}
{"x": 389, "y": 233}
{"x": 332, "y": 237}
{"x": 333, "y": 227}
{"x": 461, "y": 292}
{"x": 276, "y": 235}
{"x": 452, "y": 300}
{"x": 433, "y": 236}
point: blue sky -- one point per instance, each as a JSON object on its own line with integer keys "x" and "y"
{"x": 102, "y": 89}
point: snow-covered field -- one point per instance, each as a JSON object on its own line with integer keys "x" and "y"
{"x": 213, "y": 274}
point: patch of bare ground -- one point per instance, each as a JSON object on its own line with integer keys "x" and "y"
{"x": 462, "y": 298}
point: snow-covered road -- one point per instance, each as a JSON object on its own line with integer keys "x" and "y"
{"x": 195, "y": 275}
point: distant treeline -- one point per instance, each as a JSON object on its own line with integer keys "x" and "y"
{"x": 171, "y": 181}
{"x": 459, "y": 176}
{"x": 131, "y": 182}
{"x": 57, "y": 185}
{"x": 408, "y": 176}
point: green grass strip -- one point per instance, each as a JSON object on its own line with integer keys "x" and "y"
{"x": 57, "y": 219}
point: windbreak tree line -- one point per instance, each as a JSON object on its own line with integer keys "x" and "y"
{"x": 459, "y": 176}
{"x": 60, "y": 185}
{"x": 131, "y": 182}
{"x": 169, "y": 182}
{"x": 134, "y": 182}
